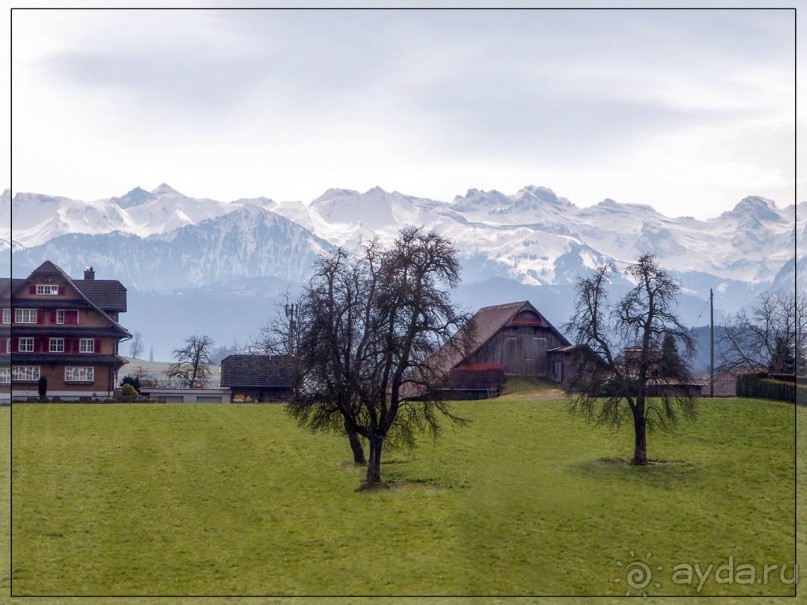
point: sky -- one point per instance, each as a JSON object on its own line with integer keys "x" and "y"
{"x": 688, "y": 111}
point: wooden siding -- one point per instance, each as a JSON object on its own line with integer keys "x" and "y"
{"x": 522, "y": 350}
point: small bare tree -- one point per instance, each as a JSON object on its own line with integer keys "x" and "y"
{"x": 642, "y": 376}
{"x": 755, "y": 339}
{"x": 192, "y": 361}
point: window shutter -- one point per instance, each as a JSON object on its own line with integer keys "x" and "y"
{"x": 61, "y": 290}
{"x": 97, "y": 345}
{"x": 73, "y": 345}
{"x": 39, "y": 315}
{"x": 32, "y": 290}
{"x": 53, "y": 316}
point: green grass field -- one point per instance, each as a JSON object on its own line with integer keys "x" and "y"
{"x": 127, "y": 500}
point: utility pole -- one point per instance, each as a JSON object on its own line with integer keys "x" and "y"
{"x": 711, "y": 343}
{"x": 292, "y": 311}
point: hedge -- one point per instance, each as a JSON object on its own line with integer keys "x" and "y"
{"x": 762, "y": 386}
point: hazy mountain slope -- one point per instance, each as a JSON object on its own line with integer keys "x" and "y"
{"x": 248, "y": 242}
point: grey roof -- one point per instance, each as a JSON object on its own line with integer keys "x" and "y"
{"x": 257, "y": 371}
{"x": 108, "y": 294}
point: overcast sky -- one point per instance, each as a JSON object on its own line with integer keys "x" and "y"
{"x": 688, "y": 111}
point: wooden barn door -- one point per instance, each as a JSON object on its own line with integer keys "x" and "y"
{"x": 511, "y": 355}
{"x": 535, "y": 357}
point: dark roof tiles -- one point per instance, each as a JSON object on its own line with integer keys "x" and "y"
{"x": 257, "y": 371}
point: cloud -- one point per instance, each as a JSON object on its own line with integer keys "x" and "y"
{"x": 422, "y": 101}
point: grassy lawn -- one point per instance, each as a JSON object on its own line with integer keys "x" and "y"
{"x": 236, "y": 500}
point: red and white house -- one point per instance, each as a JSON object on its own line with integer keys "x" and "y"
{"x": 65, "y": 330}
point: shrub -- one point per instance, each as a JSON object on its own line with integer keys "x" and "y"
{"x": 763, "y": 386}
{"x": 128, "y": 393}
{"x": 132, "y": 380}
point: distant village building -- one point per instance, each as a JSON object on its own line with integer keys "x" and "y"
{"x": 61, "y": 329}
{"x": 258, "y": 378}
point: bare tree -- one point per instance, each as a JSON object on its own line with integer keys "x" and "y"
{"x": 370, "y": 330}
{"x": 281, "y": 335}
{"x": 640, "y": 377}
{"x": 136, "y": 348}
{"x": 776, "y": 321}
{"x": 192, "y": 365}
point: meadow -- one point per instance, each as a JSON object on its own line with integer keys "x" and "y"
{"x": 134, "y": 500}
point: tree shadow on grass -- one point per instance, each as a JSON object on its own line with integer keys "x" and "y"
{"x": 660, "y": 473}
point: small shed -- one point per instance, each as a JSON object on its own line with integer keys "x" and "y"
{"x": 258, "y": 378}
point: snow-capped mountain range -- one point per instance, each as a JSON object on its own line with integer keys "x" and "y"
{"x": 234, "y": 258}
{"x": 162, "y": 239}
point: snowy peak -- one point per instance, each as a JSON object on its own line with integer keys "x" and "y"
{"x": 164, "y": 189}
{"x": 541, "y": 195}
{"x": 755, "y": 207}
{"x": 135, "y": 197}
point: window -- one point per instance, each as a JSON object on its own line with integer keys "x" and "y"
{"x": 56, "y": 345}
{"x": 25, "y": 316}
{"x": 86, "y": 345}
{"x": 25, "y": 345}
{"x": 5, "y": 375}
{"x": 47, "y": 290}
{"x": 8, "y": 345}
{"x": 6, "y": 315}
{"x": 79, "y": 374}
{"x": 67, "y": 316}
{"x": 25, "y": 373}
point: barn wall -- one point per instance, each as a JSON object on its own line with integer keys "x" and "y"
{"x": 520, "y": 349}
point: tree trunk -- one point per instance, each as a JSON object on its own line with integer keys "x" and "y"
{"x": 640, "y": 440}
{"x": 373, "y": 479}
{"x": 356, "y": 446}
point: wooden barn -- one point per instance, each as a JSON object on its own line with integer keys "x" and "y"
{"x": 514, "y": 338}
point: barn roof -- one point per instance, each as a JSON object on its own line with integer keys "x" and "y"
{"x": 485, "y": 324}
{"x": 246, "y": 370}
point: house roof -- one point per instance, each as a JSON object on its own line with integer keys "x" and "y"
{"x": 485, "y": 323}
{"x": 109, "y": 294}
{"x": 104, "y": 295}
{"x": 257, "y": 371}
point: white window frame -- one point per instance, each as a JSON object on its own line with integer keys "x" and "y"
{"x": 6, "y": 315}
{"x": 24, "y": 373}
{"x": 23, "y": 316}
{"x": 86, "y": 345}
{"x": 79, "y": 374}
{"x": 47, "y": 290}
{"x": 8, "y": 345}
{"x": 59, "y": 345}
{"x": 59, "y": 316}
{"x": 25, "y": 344}
{"x": 5, "y": 375}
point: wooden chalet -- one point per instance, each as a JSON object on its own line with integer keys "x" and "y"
{"x": 62, "y": 329}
